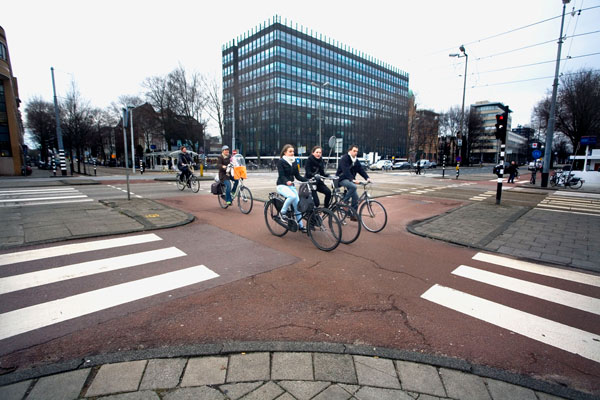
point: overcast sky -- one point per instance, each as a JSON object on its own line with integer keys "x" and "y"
{"x": 109, "y": 47}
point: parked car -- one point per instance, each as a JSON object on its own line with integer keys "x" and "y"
{"x": 401, "y": 165}
{"x": 535, "y": 165}
{"x": 425, "y": 164}
{"x": 433, "y": 164}
{"x": 381, "y": 164}
{"x": 364, "y": 164}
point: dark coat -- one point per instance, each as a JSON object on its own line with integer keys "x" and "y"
{"x": 288, "y": 172}
{"x": 314, "y": 166}
{"x": 184, "y": 158}
{"x": 223, "y": 161}
{"x": 348, "y": 170}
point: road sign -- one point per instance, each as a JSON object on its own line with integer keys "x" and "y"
{"x": 534, "y": 145}
{"x": 536, "y": 154}
{"x": 587, "y": 140}
{"x": 458, "y": 159}
{"x": 338, "y": 145}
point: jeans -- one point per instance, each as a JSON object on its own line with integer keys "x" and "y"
{"x": 228, "y": 189}
{"x": 351, "y": 187}
{"x": 291, "y": 198}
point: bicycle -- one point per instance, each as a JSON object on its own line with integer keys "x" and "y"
{"x": 322, "y": 225}
{"x": 372, "y": 214}
{"x": 192, "y": 181}
{"x": 243, "y": 195}
{"x": 349, "y": 219}
{"x": 566, "y": 179}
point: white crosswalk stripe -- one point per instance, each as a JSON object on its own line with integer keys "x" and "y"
{"x": 576, "y": 203}
{"x": 22, "y": 320}
{"x": 33, "y": 197}
{"x": 553, "y": 333}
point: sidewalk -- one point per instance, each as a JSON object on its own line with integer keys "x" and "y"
{"x": 278, "y": 370}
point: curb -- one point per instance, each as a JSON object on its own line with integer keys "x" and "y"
{"x": 226, "y": 348}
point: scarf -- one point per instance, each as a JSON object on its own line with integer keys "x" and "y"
{"x": 290, "y": 160}
{"x": 352, "y": 158}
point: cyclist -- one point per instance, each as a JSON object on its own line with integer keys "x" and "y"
{"x": 513, "y": 171}
{"x": 183, "y": 164}
{"x": 288, "y": 170}
{"x": 348, "y": 167}
{"x": 224, "y": 174}
{"x": 315, "y": 166}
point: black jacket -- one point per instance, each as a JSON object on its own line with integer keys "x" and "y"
{"x": 222, "y": 161}
{"x": 314, "y": 166}
{"x": 184, "y": 158}
{"x": 288, "y": 172}
{"x": 348, "y": 170}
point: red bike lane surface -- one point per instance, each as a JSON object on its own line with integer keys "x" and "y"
{"x": 366, "y": 293}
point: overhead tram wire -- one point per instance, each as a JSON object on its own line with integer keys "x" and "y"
{"x": 538, "y": 63}
{"x": 526, "y": 80}
{"x": 509, "y": 31}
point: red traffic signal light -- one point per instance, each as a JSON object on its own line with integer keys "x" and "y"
{"x": 501, "y": 127}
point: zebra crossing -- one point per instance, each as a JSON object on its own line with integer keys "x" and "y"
{"x": 577, "y": 203}
{"x": 554, "y": 333}
{"x": 42, "y": 314}
{"x": 41, "y": 196}
{"x": 428, "y": 189}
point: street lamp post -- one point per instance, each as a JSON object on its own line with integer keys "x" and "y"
{"x": 462, "y": 113}
{"x": 320, "y": 90}
{"x": 551, "y": 120}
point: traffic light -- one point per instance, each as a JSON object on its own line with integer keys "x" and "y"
{"x": 501, "y": 122}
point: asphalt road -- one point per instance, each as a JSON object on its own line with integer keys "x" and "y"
{"x": 237, "y": 282}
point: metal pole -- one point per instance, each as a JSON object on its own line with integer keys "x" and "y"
{"x": 501, "y": 174}
{"x": 550, "y": 131}
{"x": 61, "y": 148}
{"x": 233, "y": 125}
{"x": 132, "y": 144}
{"x": 125, "y": 146}
{"x": 462, "y": 114}
{"x": 320, "y": 88}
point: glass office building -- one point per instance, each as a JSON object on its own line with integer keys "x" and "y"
{"x": 285, "y": 84}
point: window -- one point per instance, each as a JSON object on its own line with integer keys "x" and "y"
{"x": 3, "y": 52}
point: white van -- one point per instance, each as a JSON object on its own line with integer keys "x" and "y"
{"x": 425, "y": 164}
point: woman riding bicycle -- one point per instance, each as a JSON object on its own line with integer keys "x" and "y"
{"x": 316, "y": 166}
{"x": 183, "y": 164}
{"x": 222, "y": 163}
{"x": 288, "y": 170}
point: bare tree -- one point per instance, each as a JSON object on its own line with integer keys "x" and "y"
{"x": 40, "y": 119}
{"x": 77, "y": 124}
{"x": 577, "y": 106}
{"x": 214, "y": 102}
{"x": 475, "y": 132}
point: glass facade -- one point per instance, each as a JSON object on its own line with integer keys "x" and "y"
{"x": 280, "y": 79}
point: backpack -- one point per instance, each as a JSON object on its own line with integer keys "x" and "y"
{"x": 306, "y": 202}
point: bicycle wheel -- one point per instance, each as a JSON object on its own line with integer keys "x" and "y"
{"x": 270, "y": 214}
{"x": 349, "y": 221}
{"x": 373, "y": 216}
{"x": 575, "y": 185}
{"x": 245, "y": 200}
{"x": 553, "y": 182}
{"x": 324, "y": 229}
{"x": 221, "y": 197}
{"x": 195, "y": 183}
{"x": 179, "y": 182}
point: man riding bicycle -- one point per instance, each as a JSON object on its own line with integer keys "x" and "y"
{"x": 348, "y": 167}
{"x": 223, "y": 162}
{"x": 183, "y": 163}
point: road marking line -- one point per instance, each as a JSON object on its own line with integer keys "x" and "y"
{"x": 477, "y": 198}
{"x": 553, "y": 272}
{"x": 41, "y": 191}
{"x": 572, "y": 207}
{"x": 39, "y": 278}
{"x": 47, "y": 203}
{"x": 38, "y": 316}
{"x": 572, "y": 194}
{"x": 22, "y": 200}
{"x": 67, "y": 249}
{"x": 559, "y": 296}
{"x": 563, "y": 211}
{"x": 555, "y": 334}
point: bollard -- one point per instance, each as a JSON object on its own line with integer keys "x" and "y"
{"x": 53, "y": 165}
{"x": 95, "y": 167}
{"x": 457, "y": 169}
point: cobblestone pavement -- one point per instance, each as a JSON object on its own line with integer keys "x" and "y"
{"x": 282, "y": 375}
